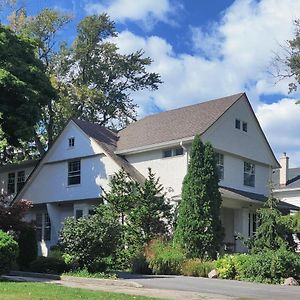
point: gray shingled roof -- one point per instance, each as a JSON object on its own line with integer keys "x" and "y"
{"x": 107, "y": 139}
{"x": 16, "y": 166}
{"x": 174, "y": 124}
{"x": 293, "y": 179}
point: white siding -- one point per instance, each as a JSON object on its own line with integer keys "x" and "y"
{"x": 291, "y": 197}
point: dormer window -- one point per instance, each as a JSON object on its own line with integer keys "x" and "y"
{"x": 71, "y": 142}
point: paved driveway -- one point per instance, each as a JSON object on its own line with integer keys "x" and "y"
{"x": 229, "y": 288}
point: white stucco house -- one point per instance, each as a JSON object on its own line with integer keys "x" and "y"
{"x": 286, "y": 182}
{"x": 72, "y": 175}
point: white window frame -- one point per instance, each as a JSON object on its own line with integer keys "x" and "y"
{"x": 245, "y": 126}
{"x": 172, "y": 152}
{"x": 20, "y": 179}
{"x": 43, "y": 226}
{"x": 74, "y": 173}
{"x": 220, "y": 164}
{"x": 11, "y": 183}
{"x": 71, "y": 142}
{"x": 252, "y": 223}
{"x": 249, "y": 172}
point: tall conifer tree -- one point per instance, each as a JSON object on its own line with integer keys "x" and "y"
{"x": 198, "y": 228}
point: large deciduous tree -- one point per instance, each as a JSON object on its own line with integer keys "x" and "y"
{"x": 198, "y": 229}
{"x": 24, "y": 87}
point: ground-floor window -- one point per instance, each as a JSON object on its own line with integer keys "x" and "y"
{"x": 252, "y": 224}
{"x": 43, "y": 227}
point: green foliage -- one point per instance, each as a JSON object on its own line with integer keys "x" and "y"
{"x": 197, "y": 267}
{"x": 292, "y": 222}
{"x": 271, "y": 233}
{"x": 143, "y": 210}
{"x": 164, "y": 258}
{"x": 49, "y": 265}
{"x": 28, "y": 247}
{"x": 86, "y": 274}
{"x": 8, "y": 252}
{"x": 91, "y": 239}
{"x": 24, "y": 86}
{"x": 198, "y": 228}
{"x": 268, "y": 266}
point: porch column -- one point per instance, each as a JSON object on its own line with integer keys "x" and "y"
{"x": 54, "y": 215}
{"x": 241, "y": 227}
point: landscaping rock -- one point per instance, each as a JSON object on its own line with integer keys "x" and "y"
{"x": 290, "y": 281}
{"x": 213, "y": 274}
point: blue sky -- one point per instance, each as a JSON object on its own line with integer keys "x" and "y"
{"x": 204, "y": 50}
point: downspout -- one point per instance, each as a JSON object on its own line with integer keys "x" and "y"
{"x": 187, "y": 154}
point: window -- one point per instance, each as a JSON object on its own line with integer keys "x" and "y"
{"x": 43, "y": 227}
{"x": 220, "y": 165}
{"x": 11, "y": 183}
{"x": 39, "y": 226}
{"x": 237, "y": 124}
{"x": 249, "y": 174}
{"x": 245, "y": 126}
{"x": 252, "y": 224}
{"x": 167, "y": 153}
{"x": 20, "y": 180}
{"x": 74, "y": 172}
{"x": 71, "y": 142}
{"x": 173, "y": 152}
{"x": 78, "y": 213}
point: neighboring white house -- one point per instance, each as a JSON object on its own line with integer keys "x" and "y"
{"x": 286, "y": 182}
{"x": 71, "y": 177}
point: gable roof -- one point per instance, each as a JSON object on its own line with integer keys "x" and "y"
{"x": 107, "y": 139}
{"x": 21, "y": 165}
{"x": 174, "y": 124}
{"x": 293, "y": 179}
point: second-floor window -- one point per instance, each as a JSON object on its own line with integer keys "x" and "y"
{"x": 11, "y": 183}
{"x": 249, "y": 174}
{"x": 20, "y": 180}
{"x": 74, "y": 172}
{"x": 220, "y": 165}
{"x": 173, "y": 152}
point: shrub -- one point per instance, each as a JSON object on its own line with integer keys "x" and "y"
{"x": 8, "y": 252}
{"x": 267, "y": 267}
{"x": 55, "y": 251}
{"x": 163, "y": 258}
{"x": 197, "y": 267}
{"x": 50, "y": 265}
{"x": 90, "y": 239}
{"x": 28, "y": 247}
{"x": 226, "y": 267}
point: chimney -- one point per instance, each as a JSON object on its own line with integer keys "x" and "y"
{"x": 284, "y": 163}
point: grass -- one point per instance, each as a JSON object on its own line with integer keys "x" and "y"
{"x": 43, "y": 291}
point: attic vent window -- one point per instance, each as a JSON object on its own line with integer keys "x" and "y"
{"x": 71, "y": 142}
{"x": 245, "y": 126}
{"x": 237, "y": 124}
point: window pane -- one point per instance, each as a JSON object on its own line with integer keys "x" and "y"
{"x": 237, "y": 124}
{"x": 220, "y": 165}
{"x": 20, "y": 180}
{"x": 167, "y": 153}
{"x": 39, "y": 224}
{"x": 78, "y": 213}
{"x": 11, "y": 183}
{"x": 74, "y": 172}
{"x": 245, "y": 126}
{"x": 47, "y": 227}
{"x": 249, "y": 174}
{"x": 71, "y": 142}
{"x": 178, "y": 151}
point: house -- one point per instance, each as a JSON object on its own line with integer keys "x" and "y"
{"x": 75, "y": 171}
{"x": 286, "y": 182}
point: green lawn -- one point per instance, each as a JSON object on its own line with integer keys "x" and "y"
{"x": 42, "y": 291}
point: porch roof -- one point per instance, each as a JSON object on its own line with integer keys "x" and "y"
{"x": 245, "y": 196}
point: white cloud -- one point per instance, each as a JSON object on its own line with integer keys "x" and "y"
{"x": 147, "y": 11}
{"x": 281, "y": 122}
{"x": 233, "y": 56}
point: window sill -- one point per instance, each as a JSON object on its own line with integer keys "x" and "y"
{"x": 73, "y": 185}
